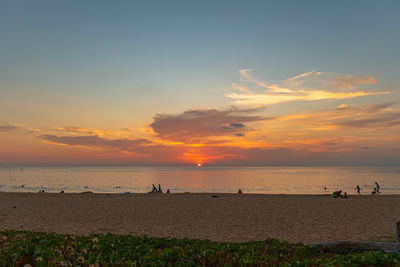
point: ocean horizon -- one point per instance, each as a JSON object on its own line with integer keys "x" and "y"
{"x": 212, "y": 179}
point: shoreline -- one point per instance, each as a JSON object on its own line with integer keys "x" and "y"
{"x": 190, "y": 193}
{"x": 230, "y": 217}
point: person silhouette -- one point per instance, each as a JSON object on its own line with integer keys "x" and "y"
{"x": 154, "y": 189}
{"x": 358, "y": 189}
{"x": 377, "y": 187}
{"x": 240, "y": 191}
{"x": 159, "y": 188}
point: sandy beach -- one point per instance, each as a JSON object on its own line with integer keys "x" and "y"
{"x": 230, "y": 217}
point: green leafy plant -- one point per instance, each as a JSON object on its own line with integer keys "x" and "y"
{"x": 48, "y": 249}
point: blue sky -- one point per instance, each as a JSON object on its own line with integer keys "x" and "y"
{"x": 194, "y": 43}
{"x": 104, "y": 64}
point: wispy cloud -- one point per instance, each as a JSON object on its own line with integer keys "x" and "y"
{"x": 309, "y": 86}
{"x": 8, "y": 128}
{"x": 18, "y": 128}
{"x": 350, "y": 116}
{"x": 32, "y": 130}
{"x": 350, "y": 82}
{"x": 140, "y": 151}
{"x": 95, "y": 141}
{"x": 79, "y": 130}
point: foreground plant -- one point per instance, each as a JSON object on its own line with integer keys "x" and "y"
{"x": 42, "y": 249}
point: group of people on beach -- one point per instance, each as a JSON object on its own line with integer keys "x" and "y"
{"x": 376, "y": 190}
{"x": 159, "y": 190}
{"x": 338, "y": 194}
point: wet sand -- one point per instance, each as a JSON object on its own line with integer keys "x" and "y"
{"x": 230, "y": 217}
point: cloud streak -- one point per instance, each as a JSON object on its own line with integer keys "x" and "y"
{"x": 79, "y": 130}
{"x": 96, "y": 141}
{"x": 8, "y": 128}
{"x": 350, "y": 82}
{"x": 365, "y": 116}
{"x": 309, "y": 86}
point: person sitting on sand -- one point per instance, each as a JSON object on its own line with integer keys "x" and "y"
{"x": 358, "y": 189}
{"x": 240, "y": 191}
{"x": 154, "y": 189}
{"x": 159, "y": 188}
{"x": 337, "y": 194}
{"x": 345, "y": 195}
{"x": 167, "y": 191}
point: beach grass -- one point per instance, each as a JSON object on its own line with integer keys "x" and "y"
{"x": 19, "y": 248}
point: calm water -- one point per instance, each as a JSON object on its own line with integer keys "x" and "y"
{"x": 265, "y": 180}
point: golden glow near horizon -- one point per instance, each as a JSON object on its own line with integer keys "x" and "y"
{"x": 243, "y": 134}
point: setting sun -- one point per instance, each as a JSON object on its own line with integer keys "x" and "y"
{"x": 199, "y": 165}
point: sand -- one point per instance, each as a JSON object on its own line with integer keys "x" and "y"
{"x": 231, "y": 217}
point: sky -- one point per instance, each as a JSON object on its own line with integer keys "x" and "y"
{"x": 255, "y": 83}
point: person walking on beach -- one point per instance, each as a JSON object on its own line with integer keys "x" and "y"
{"x": 377, "y": 187}
{"x": 154, "y": 189}
{"x": 358, "y": 189}
{"x": 159, "y": 188}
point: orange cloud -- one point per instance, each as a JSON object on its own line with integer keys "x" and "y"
{"x": 350, "y": 82}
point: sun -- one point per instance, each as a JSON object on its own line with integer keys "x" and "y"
{"x": 199, "y": 164}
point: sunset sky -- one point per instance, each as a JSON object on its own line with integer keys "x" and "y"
{"x": 211, "y": 82}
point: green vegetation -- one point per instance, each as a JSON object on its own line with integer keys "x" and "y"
{"x": 40, "y": 249}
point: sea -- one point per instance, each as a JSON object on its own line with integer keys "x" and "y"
{"x": 259, "y": 180}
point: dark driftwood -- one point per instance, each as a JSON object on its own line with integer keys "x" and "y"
{"x": 361, "y": 245}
